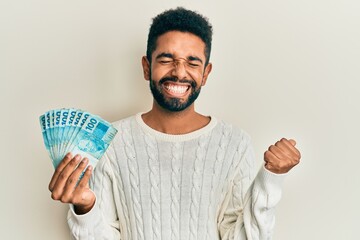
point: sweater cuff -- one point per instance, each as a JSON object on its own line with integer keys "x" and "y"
{"x": 270, "y": 181}
{"x": 86, "y": 220}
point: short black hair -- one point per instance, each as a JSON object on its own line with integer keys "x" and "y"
{"x": 183, "y": 20}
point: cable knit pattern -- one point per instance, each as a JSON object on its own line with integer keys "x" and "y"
{"x": 134, "y": 179}
{"x": 200, "y": 185}
{"x": 122, "y": 197}
{"x": 243, "y": 169}
{"x": 220, "y": 154}
{"x": 175, "y": 189}
{"x": 235, "y": 161}
{"x": 196, "y": 185}
{"x": 124, "y": 206}
{"x": 154, "y": 166}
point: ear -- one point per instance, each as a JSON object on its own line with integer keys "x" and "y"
{"x": 207, "y": 71}
{"x": 146, "y": 67}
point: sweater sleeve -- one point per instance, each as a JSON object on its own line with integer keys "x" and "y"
{"x": 101, "y": 222}
{"x": 248, "y": 209}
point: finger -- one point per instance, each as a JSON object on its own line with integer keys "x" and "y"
{"x": 83, "y": 193}
{"x": 84, "y": 182}
{"x": 278, "y": 152}
{"x": 292, "y": 141}
{"x": 292, "y": 147}
{"x": 58, "y": 170}
{"x": 271, "y": 160}
{"x": 72, "y": 181}
{"x": 288, "y": 149}
{"x": 63, "y": 177}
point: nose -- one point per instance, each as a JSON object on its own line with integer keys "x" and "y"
{"x": 179, "y": 71}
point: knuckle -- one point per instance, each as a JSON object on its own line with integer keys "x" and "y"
{"x": 57, "y": 171}
{"x": 67, "y": 157}
{"x": 272, "y": 162}
{"x": 71, "y": 180}
{"x": 55, "y": 196}
{"x": 83, "y": 163}
{"x": 62, "y": 176}
{"x": 82, "y": 184}
{"x": 61, "y": 165}
{"x": 289, "y": 165}
{"x": 73, "y": 163}
{"x": 64, "y": 199}
{"x": 278, "y": 165}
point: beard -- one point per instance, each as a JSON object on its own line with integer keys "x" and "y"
{"x": 173, "y": 104}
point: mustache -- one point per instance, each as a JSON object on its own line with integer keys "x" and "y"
{"x": 173, "y": 79}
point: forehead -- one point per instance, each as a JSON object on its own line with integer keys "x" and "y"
{"x": 180, "y": 44}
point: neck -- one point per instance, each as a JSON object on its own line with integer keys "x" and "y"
{"x": 181, "y": 122}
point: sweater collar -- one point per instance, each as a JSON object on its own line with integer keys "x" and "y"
{"x": 175, "y": 137}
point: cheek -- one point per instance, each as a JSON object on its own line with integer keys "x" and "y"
{"x": 156, "y": 76}
{"x": 158, "y": 72}
{"x": 196, "y": 75}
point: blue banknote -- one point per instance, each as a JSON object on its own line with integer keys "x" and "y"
{"x": 48, "y": 133}
{"x": 57, "y": 115}
{"x": 74, "y": 125}
{"x": 93, "y": 139}
{"x": 78, "y": 122}
{"x": 76, "y": 131}
{"x": 68, "y": 126}
{"x": 62, "y": 126}
{"x": 43, "y": 131}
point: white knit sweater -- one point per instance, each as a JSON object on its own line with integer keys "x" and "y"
{"x": 201, "y": 185}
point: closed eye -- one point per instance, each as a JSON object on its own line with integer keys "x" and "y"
{"x": 165, "y": 61}
{"x": 193, "y": 64}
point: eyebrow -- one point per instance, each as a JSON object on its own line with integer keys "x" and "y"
{"x": 192, "y": 58}
{"x": 166, "y": 55}
{"x": 169, "y": 55}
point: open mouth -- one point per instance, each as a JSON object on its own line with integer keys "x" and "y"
{"x": 176, "y": 89}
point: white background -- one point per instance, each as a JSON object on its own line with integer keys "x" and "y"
{"x": 280, "y": 69}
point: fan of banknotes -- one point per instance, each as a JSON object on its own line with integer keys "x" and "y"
{"x": 76, "y": 131}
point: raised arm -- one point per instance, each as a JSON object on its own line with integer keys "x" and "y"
{"x": 248, "y": 210}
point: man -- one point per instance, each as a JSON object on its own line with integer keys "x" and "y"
{"x": 172, "y": 173}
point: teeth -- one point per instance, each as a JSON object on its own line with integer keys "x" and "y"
{"x": 176, "y": 88}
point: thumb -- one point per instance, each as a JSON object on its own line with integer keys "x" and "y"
{"x": 292, "y": 141}
{"x": 87, "y": 195}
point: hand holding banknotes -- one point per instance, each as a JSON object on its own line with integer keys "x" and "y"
{"x": 64, "y": 185}
{"x": 75, "y": 140}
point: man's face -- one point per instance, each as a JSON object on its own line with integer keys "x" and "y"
{"x": 177, "y": 70}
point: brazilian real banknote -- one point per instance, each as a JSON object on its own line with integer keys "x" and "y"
{"x": 76, "y": 131}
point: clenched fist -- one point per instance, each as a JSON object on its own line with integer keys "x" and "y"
{"x": 282, "y": 156}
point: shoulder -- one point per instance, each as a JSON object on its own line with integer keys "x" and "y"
{"x": 232, "y": 131}
{"x": 116, "y": 147}
{"x": 123, "y": 127}
{"x": 121, "y": 123}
